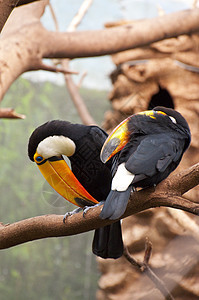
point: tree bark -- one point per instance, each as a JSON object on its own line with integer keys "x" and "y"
{"x": 6, "y": 8}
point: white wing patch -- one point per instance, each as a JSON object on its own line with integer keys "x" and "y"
{"x": 55, "y": 146}
{"x": 122, "y": 179}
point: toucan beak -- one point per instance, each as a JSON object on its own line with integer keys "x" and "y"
{"x": 58, "y": 174}
{"x": 119, "y": 137}
{"x": 115, "y": 141}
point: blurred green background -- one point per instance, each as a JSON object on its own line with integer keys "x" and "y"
{"x": 56, "y": 268}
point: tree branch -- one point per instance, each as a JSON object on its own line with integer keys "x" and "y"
{"x": 78, "y": 101}
{"x": 55, "y": 69}
{"x": 6, "y": 8}
{"x": 19, "y": 53}
{"x": 116, "y": 39}
{"x": 73, "y": 90}
{"x": 52, "y": 225}
{"x": 144, "y": 268}
{"x": 10, "y": 113}
{"x": 183, "y": 181}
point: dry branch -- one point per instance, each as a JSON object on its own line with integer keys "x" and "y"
{"x": 144, "y": 268}
{"x": 20, "y": 53}
{"x": 10, "y": 114}
{"x": 73, "y": 90}
{"x": 55, "y": 69}
{"x": 78, "y": 101}
{"x": 52, "y": 225}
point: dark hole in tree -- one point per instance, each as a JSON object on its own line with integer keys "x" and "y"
{"x": 161, "y": 98}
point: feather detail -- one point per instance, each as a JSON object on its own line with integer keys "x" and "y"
{"x": 55, "y": 146}
{"x": 122, "y": 179}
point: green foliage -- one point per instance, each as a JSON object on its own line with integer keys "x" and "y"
{"x": 59, "y": 268}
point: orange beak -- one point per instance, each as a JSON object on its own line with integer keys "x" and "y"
{"x": 58, "y": 174}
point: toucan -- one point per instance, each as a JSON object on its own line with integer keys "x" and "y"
{"x": 149, "y": 146}
{"x": 87, "y": 183}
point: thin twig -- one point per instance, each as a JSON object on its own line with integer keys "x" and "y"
{"x": 53, "y": 16}
{"x": 81, "y": 79}
{"x": 56, "y": 69}
{"x": 10, "y": 113}
{"x": 144, "y": 268}
{"x": 80, "y": 15}
{"x": 148, "y": 251}
{"x": 78, "y": 101}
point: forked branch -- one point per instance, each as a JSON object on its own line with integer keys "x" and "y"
{"x": 144, "y": 267}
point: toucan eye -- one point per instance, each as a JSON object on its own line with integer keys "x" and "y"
{"x": 39, "y": 158}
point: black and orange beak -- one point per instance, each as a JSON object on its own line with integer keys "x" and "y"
{"x": 58, "y": 174}
{"x": 119, "y": 137}
{"x": 116, "y": 141}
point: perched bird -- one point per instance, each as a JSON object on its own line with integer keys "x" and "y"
{"x": 149, "y": 146}
{"x": 89, "y": 179}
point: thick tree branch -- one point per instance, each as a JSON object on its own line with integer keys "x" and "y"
{"x": 19, "y": 53}
{"x": 116, "y": 39}
{"x": 52, "y": 225}
{"x": 183, "y": 181}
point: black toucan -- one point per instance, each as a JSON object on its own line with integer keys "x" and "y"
{"x": 89, "y": 179}
{"x": 149, "y": 146}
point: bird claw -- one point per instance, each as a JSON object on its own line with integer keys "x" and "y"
{"x": 87, "y": 208}
{"x": 70, "y": 213}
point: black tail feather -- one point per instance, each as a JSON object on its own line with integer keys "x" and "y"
{"x": 107, "y": 242}
{"x": 115, "y": 204}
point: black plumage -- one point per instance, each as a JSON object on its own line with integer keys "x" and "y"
{"x": 154, "y": 149}
{"x": 90, "y": 171}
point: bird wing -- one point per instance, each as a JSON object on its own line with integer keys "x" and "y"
{"x": 154, "y": 153}
{"x": 99, "y": 134}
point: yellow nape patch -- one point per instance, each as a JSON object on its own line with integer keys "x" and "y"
{"x": 151, "y": 113}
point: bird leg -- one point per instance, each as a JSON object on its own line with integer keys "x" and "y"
{"x": 87, "y": 208}
{"x": 70, "y": 213}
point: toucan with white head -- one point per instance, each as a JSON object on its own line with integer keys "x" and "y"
{"x": 87, "y": 183}
{"x": 149, "y": 146}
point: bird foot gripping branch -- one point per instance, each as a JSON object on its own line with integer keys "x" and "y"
{"x": 71, "y": 213}
{"x": 87, "y": 208}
